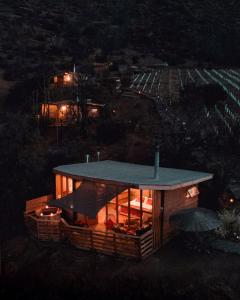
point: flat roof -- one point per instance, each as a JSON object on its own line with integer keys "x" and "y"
{"x": 128, "y": 174}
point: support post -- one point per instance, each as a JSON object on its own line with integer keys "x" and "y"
{"x": 117, "y": 217}
{"x": 141, "y": 211}
{"x": 74, "y": 213}
{"x": 61, "y": 186}
{"x": 129, "y": 206}
{"x": 106, "y": 212}
{"x": 156, "y": 225}
{"x": 162, "y": 215}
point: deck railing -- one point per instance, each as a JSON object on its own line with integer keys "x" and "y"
{"x": 44, "y": 230}
{"x": 107, "y": 242}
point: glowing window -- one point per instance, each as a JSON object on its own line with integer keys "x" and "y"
{"x": 67, "y": 78}
{"x": 64, "y": 184}
{"x": 77, "y": 184}
{"x": 70, "y": 185}
{"x": 192, "y": 192}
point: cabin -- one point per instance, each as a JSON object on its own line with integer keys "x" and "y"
{"x": 113, "y": 207}
{"x": 66, "y": 79}
{"x": 100, "y": 68}
{"x": 68, "y": 112}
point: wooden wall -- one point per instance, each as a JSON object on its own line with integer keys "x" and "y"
{"x": 156, "y": 215}
{"x": 32, "y": 205}
{"x": 175, "y": 201}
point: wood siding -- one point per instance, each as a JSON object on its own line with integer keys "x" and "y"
{"x": 108, "y": 242}
{"x": 156, "y": 211}
{"x": 175, "y": 201}
{"x": 43, "y": 230}
{"x": 34, "y": 204}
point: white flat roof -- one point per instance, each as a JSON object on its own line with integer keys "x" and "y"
{"x": 133, "y": 175}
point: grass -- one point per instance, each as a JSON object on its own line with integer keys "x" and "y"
{"x": 57, "y": 270}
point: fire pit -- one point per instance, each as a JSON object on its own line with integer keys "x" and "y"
{"x": 48, "y": 213}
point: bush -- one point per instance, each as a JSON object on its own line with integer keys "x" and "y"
{"x": 230, "y": 228}
{"x": 110, "y": 132}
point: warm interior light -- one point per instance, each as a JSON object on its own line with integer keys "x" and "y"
{"x": 67, "y": 77}
{"x": 63, "y": 108}
{"x": 51, "y": 214}
{"x": 231, "y": 200}
{"x": 46, "y": 206}
{"x": 192, "y": 192}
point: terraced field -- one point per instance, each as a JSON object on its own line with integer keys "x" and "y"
{"x": 167, "y": 84}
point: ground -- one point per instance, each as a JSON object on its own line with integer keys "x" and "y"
{"x": 37, "y": 270}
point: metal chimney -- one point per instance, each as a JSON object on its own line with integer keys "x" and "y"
{"x": 156, "y": 163}
{"x": 87, "y": 158}
{"x": 98, "y": 155}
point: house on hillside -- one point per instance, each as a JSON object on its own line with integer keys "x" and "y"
{"x": 65, "y": 79}
{"x": 113, "y": 207}
{"x": 69, "y": 112}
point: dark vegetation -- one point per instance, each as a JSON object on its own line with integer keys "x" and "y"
{"x": 209, "y": 94}
{"x": 57, "y": 272}
{"x": 39, "y": 38}
{"x": 49, "y": 35}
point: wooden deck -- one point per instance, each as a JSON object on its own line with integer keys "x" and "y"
{"x": 107, "y": 242}
{"x": 44, "y": 230}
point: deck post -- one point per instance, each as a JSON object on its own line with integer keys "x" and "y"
{"x": 106, "y": 212}
{"x": 117, "y": 220}
{"x": 156, "y": 219}
{"x": 141, "y": 211}
{"x": 114, "y": 243}
{"x": 74, "y": 213}
{"x": 129, "y": 207}
{"x": 162, "y": 215}
{"x": 91, "y": 239}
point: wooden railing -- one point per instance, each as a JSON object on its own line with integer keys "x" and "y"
{"x": 32, "y": 205}
{"x": 43, "y": 230}
{"x": 108, "y": 242}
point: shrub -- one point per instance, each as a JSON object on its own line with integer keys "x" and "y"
{"x": 230, "y": 228}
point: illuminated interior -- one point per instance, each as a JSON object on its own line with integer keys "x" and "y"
{"x": 67, "y": 78}
{"x": 59, "y": 112}
{"x": 130, "y": 212}
{"x": 93, "y": 112}
{"x": 192, "y": 192}
{"x": 128, "y": 217}
{"x": 64, "y": 186}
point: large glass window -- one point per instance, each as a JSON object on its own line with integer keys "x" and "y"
{"x": 70, "y": 185}
{"x": 64, "y": 185}
{"x": 129, "y": 212}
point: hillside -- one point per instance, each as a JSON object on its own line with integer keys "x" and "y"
{"x": 37, "y": 36}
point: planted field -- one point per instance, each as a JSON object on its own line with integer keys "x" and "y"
{"x": 169, "y": 84}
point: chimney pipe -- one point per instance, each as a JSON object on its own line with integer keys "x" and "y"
{"x": 98, "y": 155}
{"x": 87, "y": 158}
{"x": 156, "y": 163}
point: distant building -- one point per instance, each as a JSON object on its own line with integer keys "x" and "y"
{"x": 68, "y": 112}
{"x": 100, "y": 68}
{"x": 65, "y": 79}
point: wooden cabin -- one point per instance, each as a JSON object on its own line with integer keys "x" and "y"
{"x": 100, "y": 68}
{"x": 113, "y": 207}
{"x": 65, "y": 79}
{"x": 68, "y": 112}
